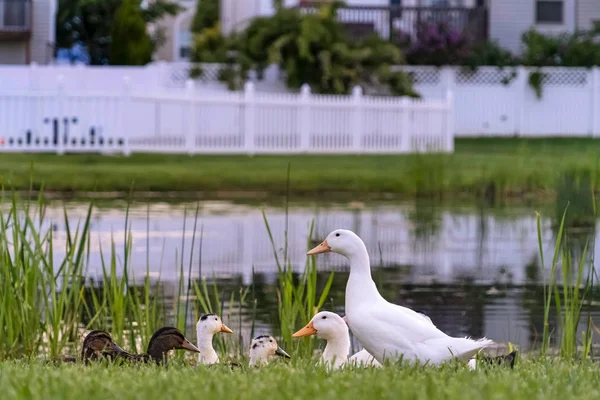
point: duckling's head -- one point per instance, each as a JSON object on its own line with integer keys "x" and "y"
{"x": 326, "y": 325}
{"x": 166, "y": 339}
{"x": 211, "y": 324}
{"x": 262, "y": 348}
{"x": 341, "y": 241}
{"x": 99, "y": 343}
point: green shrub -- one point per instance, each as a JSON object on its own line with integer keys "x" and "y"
{"x": 130, "y": 43}
{"x": 207, "y": 15}
{"x": 580, "y": 49}
{"x": 312, "y": 49}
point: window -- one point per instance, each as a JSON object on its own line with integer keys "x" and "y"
{"x": 185, "y": 44}
{"x": 549, "y": 11}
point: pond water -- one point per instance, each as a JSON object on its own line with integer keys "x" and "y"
{"x": 474, "y": 269}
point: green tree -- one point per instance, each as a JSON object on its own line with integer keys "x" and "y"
{"x": 90, "y": 23}
{"x": 130, "y": 44}
{"x": 207, "y": 15}
{"x": 315, "y": 49}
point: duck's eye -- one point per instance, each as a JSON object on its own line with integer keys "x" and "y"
{"x": 216, "y": 319}
{"x": 270, "y": 340}
{"x": 337, "y": 235}
{"x": 324, "y": 317}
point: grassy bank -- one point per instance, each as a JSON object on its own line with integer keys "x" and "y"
{"x": 489, "y": 166}
{"x": 529, "y": 380}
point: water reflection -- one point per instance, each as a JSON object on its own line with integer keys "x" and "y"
{"x": 475, "y": 270}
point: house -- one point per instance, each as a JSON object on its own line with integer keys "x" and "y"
{"x": 501, "y": 20}
{"x": 177, "y": 42}
{"x": 510, "y": 18}
{"x": 27, "y": 31}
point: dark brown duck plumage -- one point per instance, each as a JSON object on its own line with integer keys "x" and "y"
{"x": 164, "y": 340}
{"x": 97, "y": 345}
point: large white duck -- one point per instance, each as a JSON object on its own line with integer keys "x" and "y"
{"x": 386, "y": 330}
{"x": 208, "y": 326}
{"x": 331, "y": 327}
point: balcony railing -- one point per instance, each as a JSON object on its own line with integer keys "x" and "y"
{"x": 15, "y": 18}
{"x": 398, "y": 23}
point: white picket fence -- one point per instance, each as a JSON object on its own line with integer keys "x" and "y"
{"x": 487, "y": 102}
{"x": 67, "y": 118}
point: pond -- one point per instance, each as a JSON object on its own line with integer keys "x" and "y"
{"x": 473, "y": 269}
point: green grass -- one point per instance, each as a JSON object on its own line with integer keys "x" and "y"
{"x": 298, "y": 380}
{"x": 492, "y": 166}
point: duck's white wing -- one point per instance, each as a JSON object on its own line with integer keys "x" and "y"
{"x": 425, "y": 317}
{"x": 396, "y": 320}
{"x": 365, "y": 358}
{"x": 388, "y": 330}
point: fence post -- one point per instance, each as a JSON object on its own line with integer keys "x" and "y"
{"x": 594, "y": 80}
{"x": 125, "y": 110}
{"x": 448, "y": 75}
{"x": 33, "y": 76}
{"x": 160, "y": 70}
{"x": 521, "y": 88}
{"x": 450, "y": 134}
{"x": 249, "y": 120}
{"x": 406, "y": 134}
{"x": 190, "y": 137}
{"x": 304, "y": 118}
{"x": 357, "y": 123}
{"x": 60, "y": 106}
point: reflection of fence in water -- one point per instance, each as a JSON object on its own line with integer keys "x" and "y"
{"x": 235, "y": 244}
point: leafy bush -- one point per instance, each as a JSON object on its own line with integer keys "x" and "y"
{"x": 210, "y": 46}
{"x": 89, "y": 23}
{"x": 312, "y": 49}
{"x": 438, "y": 44}
{"x": 130, "y": 44}
{"x": 580, "y": 49}
{"x": 207, "y": 15}
{"x": 491, "y": 53}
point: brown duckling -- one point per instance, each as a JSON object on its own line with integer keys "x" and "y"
{"x": 506, "y": 359}
{"x": 163, "y": 340}
{"x": 97, "y": 345}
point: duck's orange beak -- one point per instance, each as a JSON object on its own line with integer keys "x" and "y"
{"x": 322, "y": 248}
{"x": 306, "y": 331}
{"x": 225, "y": 329}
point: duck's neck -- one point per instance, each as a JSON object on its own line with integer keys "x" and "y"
{"x": 158, "y": 353}
{"x": 360, "y": 285}
{"x": 257, "y": 360}
{"x": 207, "y": 354}
{"x": 337, "y": 349}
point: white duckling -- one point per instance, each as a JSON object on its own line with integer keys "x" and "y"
{"x": 208, "y": 325}
{"x": 332, "y": 328}
{"x": 386, "y": 330}
{"x": 262, "y": 348}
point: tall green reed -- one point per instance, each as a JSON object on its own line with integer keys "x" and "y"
{"x": 46, "y": 302}
{"x": 297, "y": 298}
{"x": 41, "y": 301}
{"x": 567, "y": 296}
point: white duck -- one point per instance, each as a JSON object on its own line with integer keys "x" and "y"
{"x": 263, "y": 348}
{"x": 331, "y": 327}
{"x": 386, "y": 330}
{"x": 208, "y": 325}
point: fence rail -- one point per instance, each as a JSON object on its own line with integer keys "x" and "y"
{"x": 489, "y": 101}
{"x": 189, "y": 121}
